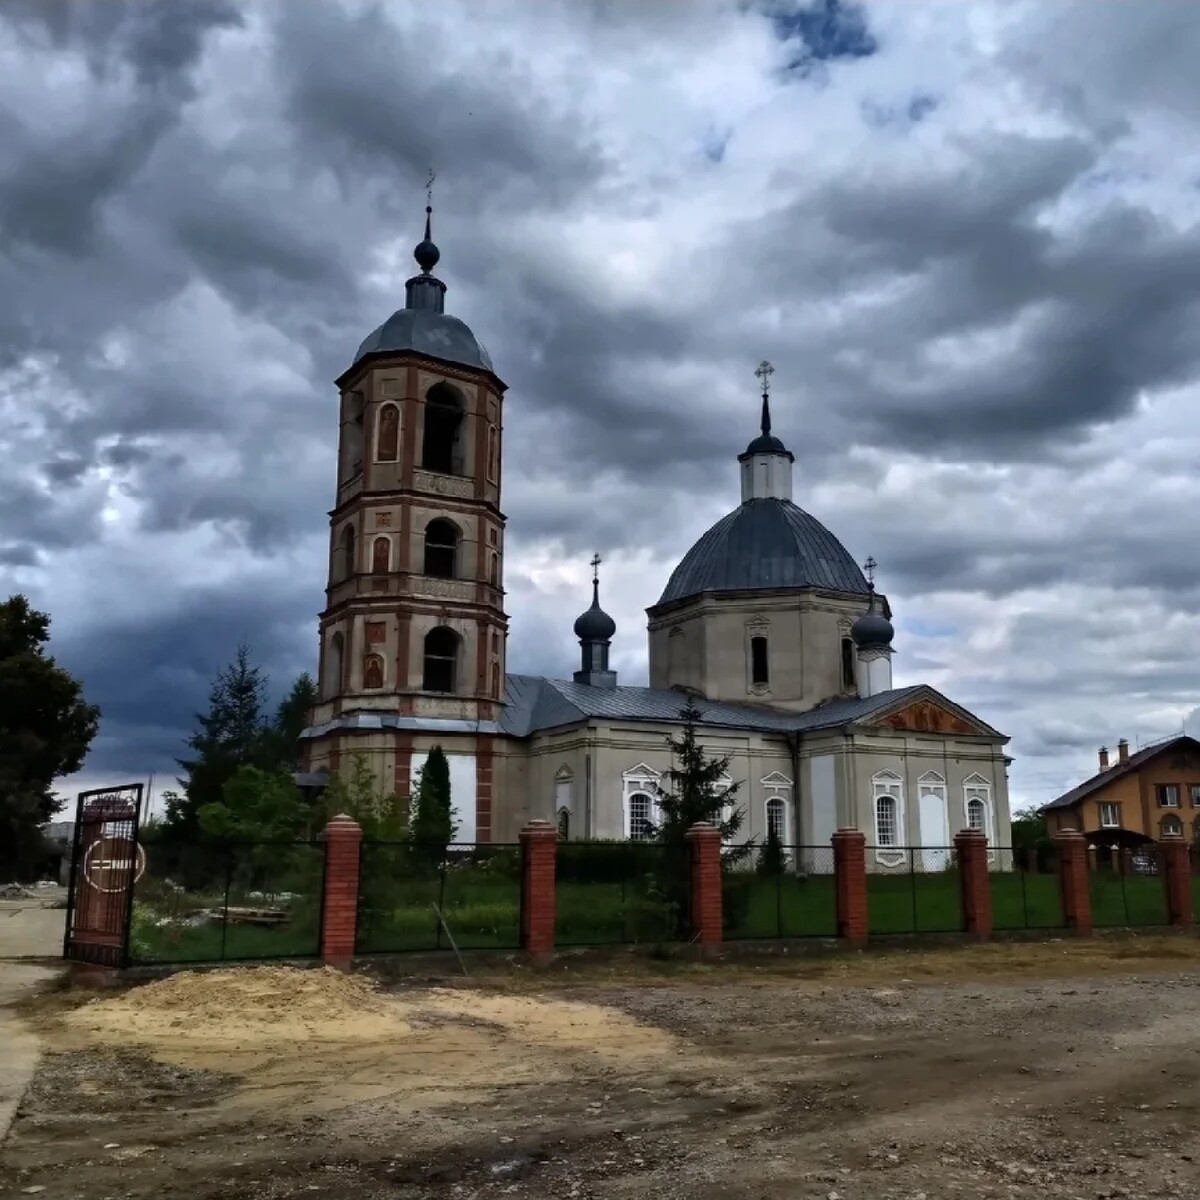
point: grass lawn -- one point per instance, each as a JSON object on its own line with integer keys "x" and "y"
{"x": 1127, "y": 899}
{"x": 211, "y": 943}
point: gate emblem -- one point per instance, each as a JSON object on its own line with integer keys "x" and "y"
{"x": 113, "y": 864}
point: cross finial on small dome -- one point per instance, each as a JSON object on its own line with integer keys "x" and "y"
{"x": 595, "y": 565}
{"x": 426, "y": 253}
{"x": 764, "y": 371}
{"x": 869, "y": 570}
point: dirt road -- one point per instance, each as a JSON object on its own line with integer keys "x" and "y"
{"x": 1062, "y": 1071}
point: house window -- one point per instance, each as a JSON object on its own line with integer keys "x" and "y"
{"x": 1110, "y": 816}
{"x": 1195, "y": 790}
{"x": 759, "y": 675}
{"x": 441, "y": 549}
{"x": 641, "y": 808}
{"x": 441, "y": 659}
{"x": 849, "y": 681}
{"x": 1168, "y": 795}
{"x": 777, "y": 819}
{"x": 1171, "y": 827}
{"x": 442, "y": 445}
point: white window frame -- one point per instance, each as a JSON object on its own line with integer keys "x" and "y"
{"x": 978, "y": 787}
{"x": 1174, "y": 833}
{"x": 1116, "y": 808}
{"x": 888, "y": 783}
{"x": 1163, "y": 789}
{"x": 563, "y": 814}
{"x": 643, "y": 780}
{"x": 777, "y": 786}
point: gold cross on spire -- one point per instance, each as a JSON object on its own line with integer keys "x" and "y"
{"x": 764, "y": 371}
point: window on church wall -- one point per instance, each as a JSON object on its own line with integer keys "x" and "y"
{"x": 564, "y": 825}
{"x": 441, "y": 549}
{"x": 676, "y": 654}
{"x": 381, "y": 556}
{"x": 777, "y": 819}
{"x": 442, "y": 446}
{"x": 346, "y": 553}
{"x": 494, "y": 569}
{"x": 441, "y": 660}
{"x": 759, "y": 673}
{"x": 849, "y": 681}
{"x": 495, "y": 692}
{"x": 372, "y": 671}
{"x": 493, "y": 455}
{"x": 387, "y": 434}
{"x": 641, "y": 809}
{"x": 352, "y": 437}
{"x": 887, "y": 797}
{"x": 333, "y": 665}
{"x": 976, "y": 815}
{"x": 887, "y": 827}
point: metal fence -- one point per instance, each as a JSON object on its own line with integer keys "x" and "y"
{"x": 913, "y": 889}
{"x": 415, "y": 897}
{"x": 620, "y": 892}
{"x": 1026, "y": 889}
{"x": 1127, "y": 887}
{"x": 217, "y": 902}
{"x": 781, "y": 892}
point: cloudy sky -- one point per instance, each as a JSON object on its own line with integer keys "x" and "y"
{"x": 966, "y": 234}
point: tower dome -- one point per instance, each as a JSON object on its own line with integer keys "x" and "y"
{"x": 594, "y": 629}
{"x": 872, "y": 629}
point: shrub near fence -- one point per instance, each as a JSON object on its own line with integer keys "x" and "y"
{"x": 616, "y": 892}
{"x": 476, "y": 889}
{"x": 795, "y": 901}
{"x": 216, "y": 902}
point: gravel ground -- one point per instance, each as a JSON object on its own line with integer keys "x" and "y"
{"x": 1052, "y": 1071}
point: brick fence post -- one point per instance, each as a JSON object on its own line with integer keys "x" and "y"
{"x": 850, "y": 885}
{"x": 1178, "y": 882}
{"x": 1073, "y": 876}
{"x": 970, "y": 848}
{"x": 339, "y": 904}
{"x": 708, "y": 917}
{"x": 539, "y": 846}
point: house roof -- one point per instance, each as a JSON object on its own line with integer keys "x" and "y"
{"x": 533, "y": 703}
{"x": 1117, "y": 770}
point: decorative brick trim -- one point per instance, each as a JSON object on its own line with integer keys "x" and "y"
{"x": 1177, "y": 881}
{"x": 539, "y": 845}
{"x": 339, "y": 907}
{"x": 485, "y": 787}
{"x": 708, "y": 918}
{"x": 970, "y": 847}
{"x": 1073, "y": 878}
{"x": 850, "y": 885}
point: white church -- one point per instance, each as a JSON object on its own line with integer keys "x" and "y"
{"x": 767, "y": 622}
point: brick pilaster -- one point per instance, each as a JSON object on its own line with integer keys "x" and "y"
{"x": 339, "y": 908}
{"x": 704, "y": 839}
{"x": 539, "y": 844}
{"x": 485, "y": 758}
{"x": 970, "y": 848}
{"x": 1177, "y": 881}
{"x": 850, "y": 885}
{"x": 1073, "y": 877}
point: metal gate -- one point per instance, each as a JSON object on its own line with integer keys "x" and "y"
{"x": 106, "y": 861}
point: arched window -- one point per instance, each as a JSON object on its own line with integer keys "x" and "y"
{"x": 346, "y": 557}
{"x": 495, "y": 692}
{"x": 849, "y": 680}
{"x": 777, "y": 819}
{"x": 333, "y": 665}
{"x": 887, "y": 826}
{"x": 493, "y": 468}
{"x": 977, "y": 815}
{"x": 564, "y": 825}
{"x": 387, "y": 444}
{"x": 641, "y": 807}
{"x": 1171, "y": 826}
{"x": 381, "y": 556}
{"x": 494, "y": 569}
{"x": 441, "y": 660}
{"x": 372, "y": 671}
{"x": 759, "y": 673}
{"x": 352, "y": 437}
{"x": 441, "y": 549}
{"x": 442, "y": 445}
{"x": 888, "y": 796}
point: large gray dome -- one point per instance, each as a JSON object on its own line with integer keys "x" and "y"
{"x": 423, "y": 331}
{"x": 765, "y": 543}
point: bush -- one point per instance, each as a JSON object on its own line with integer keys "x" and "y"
{"x": 735, "y": 899}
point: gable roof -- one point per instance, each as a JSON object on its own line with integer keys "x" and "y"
{"x": 1117, "y": 770}
{"x": 533, "y": 703}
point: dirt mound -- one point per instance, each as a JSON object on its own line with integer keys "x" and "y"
{"x": 248, "y": 1003}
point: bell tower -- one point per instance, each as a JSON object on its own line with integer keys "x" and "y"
{"x": 412, "y": 636}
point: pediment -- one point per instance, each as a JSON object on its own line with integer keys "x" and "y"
{"x": 928, "y": 716}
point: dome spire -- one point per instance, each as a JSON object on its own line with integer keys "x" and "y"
{"x": 595, "y": 629}
{"x": 764, "y": 371}
{"x": 424, "y": 291}
{"x": 766, "y": 462}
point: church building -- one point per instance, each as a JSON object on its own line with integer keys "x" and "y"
{"x": 768, "y": 623}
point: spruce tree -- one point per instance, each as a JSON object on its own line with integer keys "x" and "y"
{"x": 770, "y": 857}
{"x": 291, "y": 719}
{"x": 432, "y": 827}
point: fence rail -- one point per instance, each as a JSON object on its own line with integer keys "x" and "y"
{"x": 788, "y": 893}
{"x": 1026, "y": 891}
{"x": 1127, "y": 888}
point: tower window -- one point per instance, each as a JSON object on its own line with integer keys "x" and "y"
{"x": 441, "y": 659}
{"x": 441, "y": 549}
{"x": 345, "y": 561}
{"x": 442, "y": 447}
{"x": 759, "y": 674}
{"x": 333, "y": 665}
{"x": 381, "y": 556}
{"x": 494, "y": 569}
{"x": 352, "y": 437}
{"x": 848, "y": 675}
{"x": 387, "y": 446}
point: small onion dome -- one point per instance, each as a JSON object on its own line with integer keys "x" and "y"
{"x": 595, "y": 625}
{"x": 872, "y": 628}
{"x": 426, "y": 253}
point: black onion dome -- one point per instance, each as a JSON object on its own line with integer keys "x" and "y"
{"x": 872, "y": 628}
{"x": 595, "y": 625}
{"x": 767, "y": 443}
{"x": 765, "y": 544}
